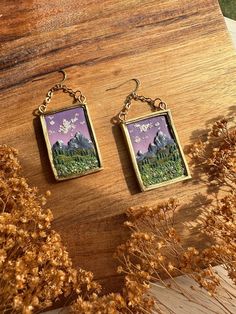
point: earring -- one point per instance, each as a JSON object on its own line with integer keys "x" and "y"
{"x": 69, "y": 135}
{"x": 153, "y": 143}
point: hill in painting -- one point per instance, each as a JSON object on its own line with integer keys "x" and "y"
{"x": 161, "y": 162}
{"x": 75, "y": 157}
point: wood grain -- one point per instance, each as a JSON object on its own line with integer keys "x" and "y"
{"x": 181, "y": 52}
{"x": 174, "y": 301}
{"x": 198, "y": 300}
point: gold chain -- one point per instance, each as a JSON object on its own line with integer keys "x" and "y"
{"x": 77, "y": 95}
{"x": 156, "y": 103}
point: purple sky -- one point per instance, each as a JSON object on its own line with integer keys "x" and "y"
{"x": 142, "y": 132}
{"x": 64, "y": 124}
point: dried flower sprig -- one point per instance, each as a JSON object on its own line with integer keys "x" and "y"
{"x": 216, "y": 156}
{"x": 35, "y": 268}
{"x": 218, "y": 221}
{"x": 155, "y": 251}
{"x": 34, "y": 265}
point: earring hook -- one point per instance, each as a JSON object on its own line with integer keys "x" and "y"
{"x": 64, "y": 75}
{"x": 60, "y": 71}
{"x": 137, "y": 82}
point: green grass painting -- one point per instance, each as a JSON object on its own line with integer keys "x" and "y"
{"x": 156, "y": 149}
{"x": 74, "y": 163}
{"x": 164, "y": 166}
{"x": 71, "y": 143}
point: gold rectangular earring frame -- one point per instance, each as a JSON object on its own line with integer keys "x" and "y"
{"x": 71, "y": 142}
{"x": 155, "y": 150}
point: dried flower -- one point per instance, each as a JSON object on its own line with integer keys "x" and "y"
{"x": 154, "y": 250}
{"x": 35, "y": 268}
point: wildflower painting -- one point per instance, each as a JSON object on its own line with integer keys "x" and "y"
{"x": 155, "y": 150}
{"x": 71, "y": 142}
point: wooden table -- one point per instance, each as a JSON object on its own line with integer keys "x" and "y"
{"x": 197, "y": 300}
{"x": 180, "y": 51}
{"x": 231, "y": 25}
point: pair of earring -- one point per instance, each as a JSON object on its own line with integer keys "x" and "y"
{"x": 152, "y": 141}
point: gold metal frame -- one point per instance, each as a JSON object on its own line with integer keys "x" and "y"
{"x": 132, "y": 154}
{"x": 92, "y": 134}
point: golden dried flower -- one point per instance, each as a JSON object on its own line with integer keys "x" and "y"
{"x": 34, "y": 266}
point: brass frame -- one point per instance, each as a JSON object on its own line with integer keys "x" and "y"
{"x": 170, "y": 122}
{"x": 92, "y": 134}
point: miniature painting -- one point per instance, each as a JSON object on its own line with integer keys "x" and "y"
{"x": 155, "y": 150}
{"x": 71, "y": 142}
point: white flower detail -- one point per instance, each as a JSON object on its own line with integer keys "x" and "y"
{"x": 137, "y": 139}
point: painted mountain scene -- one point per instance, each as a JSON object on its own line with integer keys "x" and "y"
{"x": 157, "y": 153}
{"x": 71, "y": 141}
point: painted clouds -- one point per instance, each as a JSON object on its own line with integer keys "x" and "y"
{"x": 143, "y": 132}
{"x": 64, "y": 124}
{"x": 145, "y": 127}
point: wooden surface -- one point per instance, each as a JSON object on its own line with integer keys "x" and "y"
{"x": 196, "y": 300}
{"x": 231, "y": 25}
{"x": 180, "y": 51}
